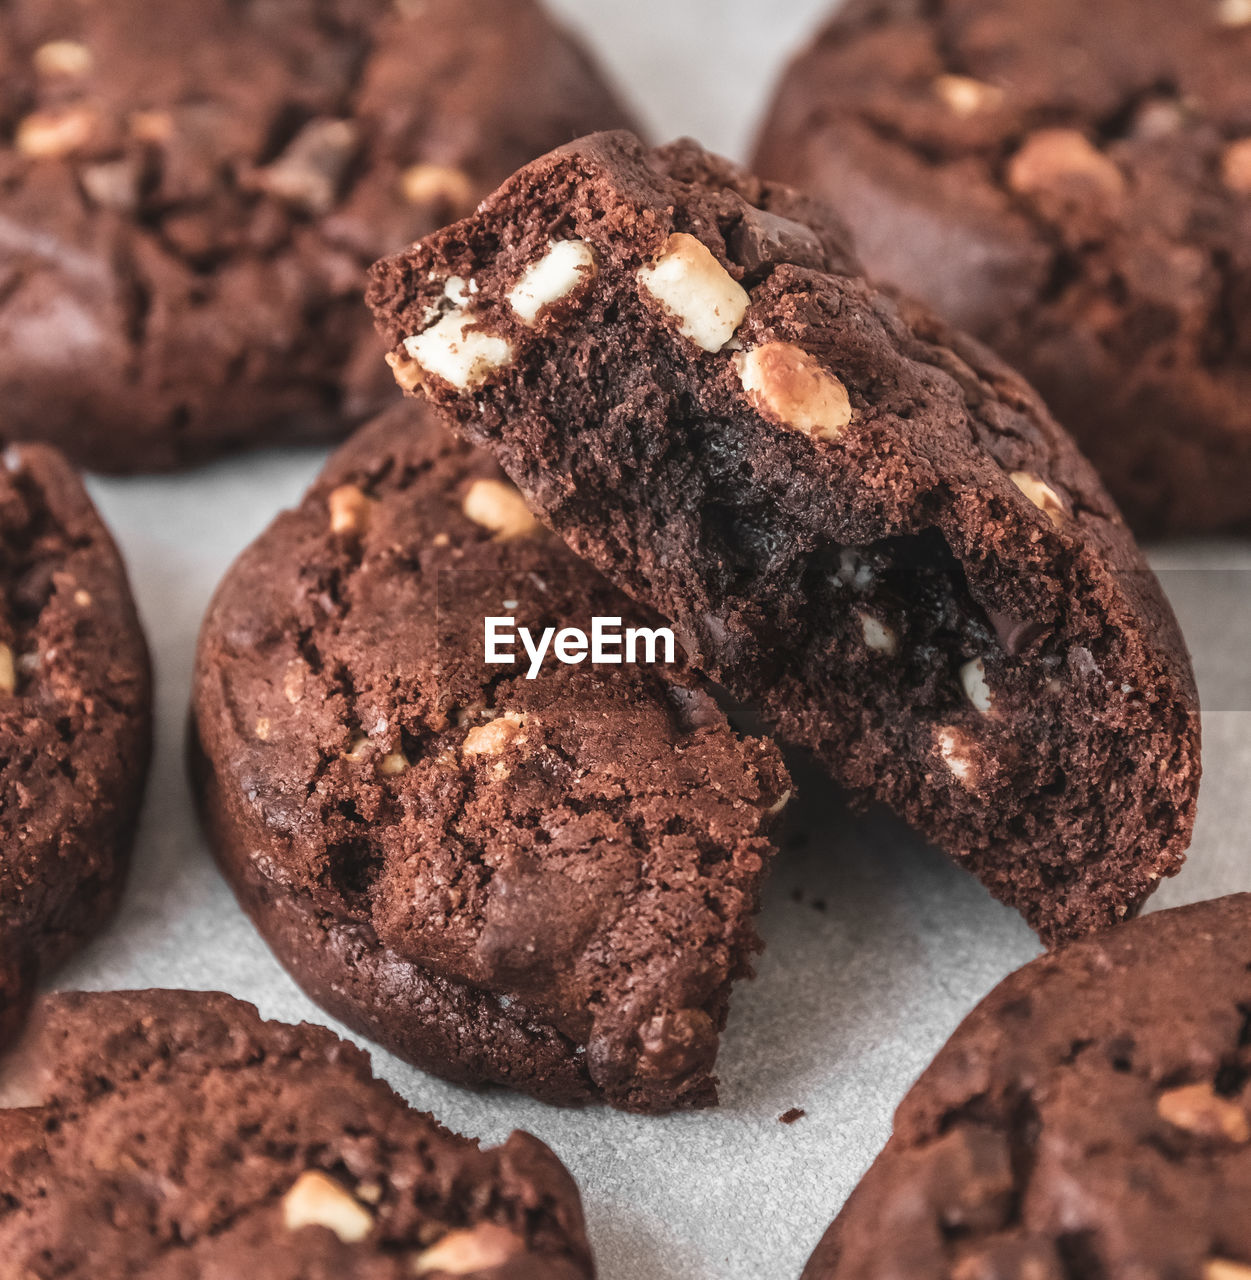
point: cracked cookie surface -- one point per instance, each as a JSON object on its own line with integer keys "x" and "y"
{"x": 544, "y": 883}
{"x": 857, "y": 518}
{"x": 190, "y": 192}
{"x": 75, "y": 719}
{"x": 1070, "y": 182}
{"x": 183, "y": 1138}
{"x": 1091, "y": 1118}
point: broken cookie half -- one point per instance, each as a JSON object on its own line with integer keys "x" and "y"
{"x": 857, "y": 518}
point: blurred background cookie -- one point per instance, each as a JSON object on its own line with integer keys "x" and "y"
{"x": 189, "y": 192}
{"x": 183, "y": 1137}
{"x": 1091, "y": 1117}
{"x": 1071, "y": 182}
{"x": 75, "y": 720}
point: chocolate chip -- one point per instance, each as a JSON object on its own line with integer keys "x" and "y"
{"x": 1014, "y": 636}
{"x": 762, "y": 239}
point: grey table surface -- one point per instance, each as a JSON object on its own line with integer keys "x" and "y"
{"x": 876, "y": 946}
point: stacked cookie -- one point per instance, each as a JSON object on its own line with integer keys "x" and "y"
{"x": 543, "y": 882}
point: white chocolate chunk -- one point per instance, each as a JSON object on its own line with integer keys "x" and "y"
{"x": 791, "y": 386}
{"x": 454, "y": 350}
{"x": 973, "y": 679}
{"x": 877, "y": 635}
{"x": 565, "y": 265}
{"x": 707, "y": 302}
{"x": 316, "y": 1200}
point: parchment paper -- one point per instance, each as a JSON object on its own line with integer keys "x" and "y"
{"x": 876, "y": 947}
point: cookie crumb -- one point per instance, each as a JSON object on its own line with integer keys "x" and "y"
{"x": 789, "y": 1117}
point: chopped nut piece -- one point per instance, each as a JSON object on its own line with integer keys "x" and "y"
{"x": 454, "y": 350}
{"x": 565, "y": 265}
{"x": 369, "y": 1192}
{"x": 62, "y": 58}
{"x": 1041, "y": 494}
{"x": 8, "y": 670}
{"x": 394, "y": 763}
{"x": 1052, "y": 157}
{"x": 973, "y": 679}
{"x": 82, "y": 598}
{"x": 965, "y": 96}
{"x": 960, "y": 755}
{"x": 151, "y": 126}
{"x": 293, "y": 681}
{"x": 1198, "y": 1109}
{"x": 113, "y": 185}
{"x": 1236, "y": 166}
{"x": 407, "y": 372}
{"x": 707, "y": 302}
{"x": 437, "y": 184}
{"x": 350, "y": 509}
{"x": 55, "y": 134}
{"x": 779, "y": 804}
{"x": 500, "y": 508}
{"x": 877, "y": 635}
{"x": 791, "y": 386}
{"x": 357, "y": 748}
{"x": 491, "y": 738}
{"x": 310, "y": 170}
{"x": 1234, "y": 13}
{"x": 316, "y": 1200}
{"x": 479, "y": 1248}
{"x": 262, "y": 728}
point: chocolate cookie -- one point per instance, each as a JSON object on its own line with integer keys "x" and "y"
{"x": 75, "y": 719}
{"x": 547, "y": 883}
{"x": 858, "y": 519}
{"x": 190, "y": 192}
{"x": 1091, "y": 1118}
{"x": 174, "y": 1135}
{"x": 1070, "y": 182}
